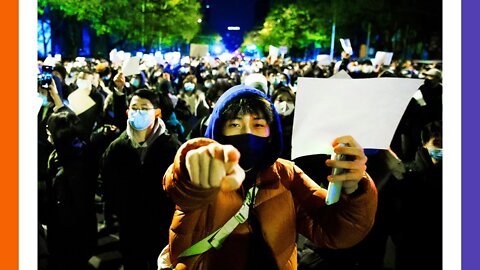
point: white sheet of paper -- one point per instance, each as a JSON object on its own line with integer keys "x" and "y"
{"x": 131, "y": 66}
{"x": 323, "y": 59}
{"x": 185, "y": 60}
{"x": 383, "y": 58}
{"x": 346, "y": 45}
{"x": 342, "y": 74}
{"x": 173, "y": 58}
{"x": 388, "y": 58}
{"x": 273, "y": 52}
{"x": 212, "y": 61}
{"x": 114, "y": 57}
{"x": 58, "y": 58}
{"x": 159, "y": 58}
{"x": 367, "y": 109}
{"x": 149, "y": 60}
{"x": 198, "y": 50}
{"x": 79, "y": 101}
{"x": 49, "y": 61}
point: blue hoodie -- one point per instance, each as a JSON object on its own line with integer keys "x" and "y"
{"x": 214, "y": 129}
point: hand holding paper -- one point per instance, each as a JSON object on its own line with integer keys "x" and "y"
{"x": 119, "y": 81}
{"x": 367, "y": 109}
{"x": 356, "y": 168}
{"x": 346, "y": 171}
{"x": 131, "y": 66}
{"x": 346, "y": 45}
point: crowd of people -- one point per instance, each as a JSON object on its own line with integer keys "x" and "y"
{"x": 155, "y": 149}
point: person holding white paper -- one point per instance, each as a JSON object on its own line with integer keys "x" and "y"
{"x": 238, "y": 163}
{"x": 116, "y": 103}
{"x": 343, "y": 64}
{"x": 284, "y": 101}
{"x": 87, "y": 103}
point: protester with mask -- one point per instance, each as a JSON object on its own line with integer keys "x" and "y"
{"x": 195, "y": 99}
{"x": 420, "y": 245}
{"x": 212, "y": 96}
{"x": 343, "y": 64}
{"x": 61, "y": 73}
{"x": 132, "y": 189}
{"x": 208, "y": 83}
{"x": 50, "y": 102}
{"x": 273, "y": 80}
{"x": 138, "y": 81}
{"x": 284, "y": 79}
{"x": 432, "y": 94}
{"x": 116, "y": 102}
{"x": 284, "y": 101}
{"x": 239, "y": 161}
{"x": 92, "y": 118}
{"x": 191, "y": 94}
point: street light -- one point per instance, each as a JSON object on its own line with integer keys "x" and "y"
{"x": 199, "y": 21}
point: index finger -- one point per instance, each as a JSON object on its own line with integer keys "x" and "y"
{"x": 225, "y": 153}
{"x": 231, "y": 156}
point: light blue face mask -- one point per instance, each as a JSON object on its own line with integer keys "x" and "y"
{"x": 275, "y": 81}
{"x": 136, "y": 82}
{"x": 139, "y": 119}
{"x": 44, "y": 100}
{"x": 189, "y": 87}
{"x": 436, "y": 154}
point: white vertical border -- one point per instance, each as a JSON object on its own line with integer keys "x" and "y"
{"x": 452, "y": 134}
{"x": 28, "y": 232}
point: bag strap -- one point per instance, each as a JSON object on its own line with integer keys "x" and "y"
{"x": 217, "y": 238}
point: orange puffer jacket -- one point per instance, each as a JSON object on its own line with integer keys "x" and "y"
{"x": 288, "y": 202}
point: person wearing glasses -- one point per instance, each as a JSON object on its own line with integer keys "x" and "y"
{"x": 132, "y": 189}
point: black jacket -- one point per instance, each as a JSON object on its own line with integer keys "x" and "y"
{"x": 134, "y": 192}
{"x": 71, "y": 222}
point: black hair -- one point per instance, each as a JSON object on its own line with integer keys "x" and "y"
{"x": 60, "y": 69}
{"x": 64, "y": 127}
{"x": 217, "y": 90}
{"x": 250, "y": 104}
{"x": 284, "y": 74}
{"x": 432, "y": 130}
{"x": 146, "y": 94}
{"x": 165, "y": 105}
{"x": 164, "y": 86}
{"x": 283, "y": 89}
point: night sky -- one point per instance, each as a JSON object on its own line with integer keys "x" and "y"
{"x": 246, "y": 14}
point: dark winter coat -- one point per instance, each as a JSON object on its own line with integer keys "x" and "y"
{"x": 71, "y": 223}
{"x": 133, "y": 191}
{"x": 288, "y": 202}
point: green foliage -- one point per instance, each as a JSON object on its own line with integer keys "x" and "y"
{"x": 207, "y": 39}
{"x": 148, "y": 22}
{"x": 290, "y": 26}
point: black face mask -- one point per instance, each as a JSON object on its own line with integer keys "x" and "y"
{"x": 252, "y": 149}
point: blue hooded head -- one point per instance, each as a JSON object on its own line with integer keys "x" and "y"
{"x": 248, "y": 97}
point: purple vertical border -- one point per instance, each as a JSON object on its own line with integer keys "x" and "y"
{"x": 470, "y": 122}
